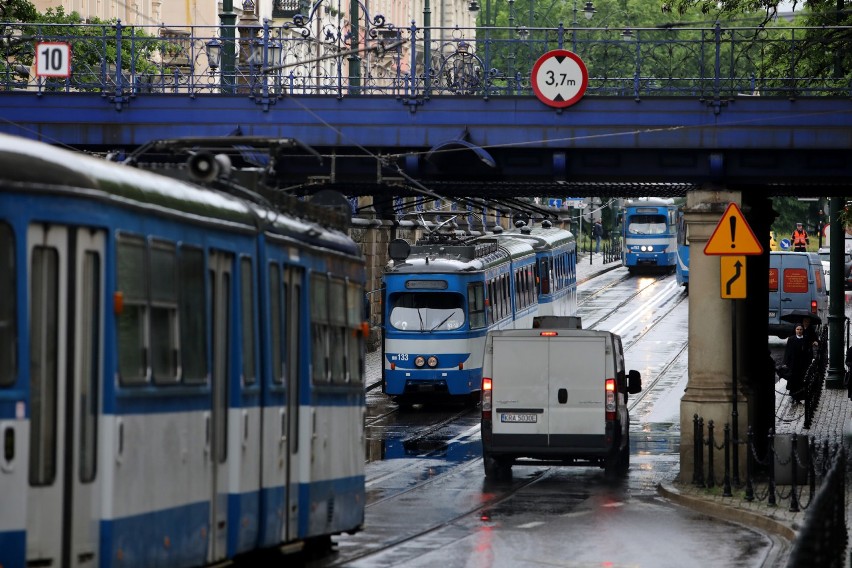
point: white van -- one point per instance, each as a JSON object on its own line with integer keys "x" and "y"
{"x": 557, "y": 396}
{"x": 797, "y": 288}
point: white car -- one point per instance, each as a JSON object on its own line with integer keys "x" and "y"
{"x": 825, "y": 255}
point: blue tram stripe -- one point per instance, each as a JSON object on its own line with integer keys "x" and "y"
{"x": 13, "y": 552}
{"x": 169, "y": 537}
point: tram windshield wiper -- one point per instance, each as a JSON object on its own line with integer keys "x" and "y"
{"x": 421, "y": 320}
{"x": 442, "y": 322}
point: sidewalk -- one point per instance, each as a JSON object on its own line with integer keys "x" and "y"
{"x": 590, "y": 265}
{"x": 829, "y": 422}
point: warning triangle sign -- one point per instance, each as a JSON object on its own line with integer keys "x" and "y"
{"x": 733, "y": 235}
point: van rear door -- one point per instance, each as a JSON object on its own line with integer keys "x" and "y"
{"x": 519, "y": 387}
{"x": 577, "y": 382}
{"x": 795, "y": 280}
{"x": 774, "y": 291}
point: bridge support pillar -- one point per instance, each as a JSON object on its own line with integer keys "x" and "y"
{"x": 709, "y": 388}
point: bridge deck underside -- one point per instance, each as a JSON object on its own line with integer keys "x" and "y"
{"x": 507, "y": 147}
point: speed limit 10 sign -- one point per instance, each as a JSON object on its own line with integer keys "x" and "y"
{"x": 53, "y": 59}
{"x": 559, "y": 78}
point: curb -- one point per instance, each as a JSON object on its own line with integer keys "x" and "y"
{"x": 596, "y": 273}
{"x": 726, "y": 513}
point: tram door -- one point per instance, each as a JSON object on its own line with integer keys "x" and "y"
{"x": 65, "y": 313}
{"x": 293, "y": 291}
{"x": 220, "y": 274}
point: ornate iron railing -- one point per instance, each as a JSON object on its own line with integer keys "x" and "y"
{"x": 316, "y": 54}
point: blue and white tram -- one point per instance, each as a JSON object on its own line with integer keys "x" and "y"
{"x": 682, "y": 267}
{"x": 649, "y": 232}
{"x": 555, "y": 270}
{"x": 440, "y": 301}
{"x": 181, "y": 371}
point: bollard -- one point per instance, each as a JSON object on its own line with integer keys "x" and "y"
{"x": 727, "y": 443}
{"x": 696, "y": 450}
{"x": 772, "y": 458}
{"x": 749, "y": 449}
{"x": 808, "y": 411}
{"x": 794, "y": 459}
{"x": 711, "y": 449}
{"x": 699, "y": 457}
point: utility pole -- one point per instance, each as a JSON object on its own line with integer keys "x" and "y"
{"x": 427, "y": 49}
{"x": 354, "y": 58}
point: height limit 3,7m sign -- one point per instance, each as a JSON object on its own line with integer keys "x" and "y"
{"x": 559, "y": 78}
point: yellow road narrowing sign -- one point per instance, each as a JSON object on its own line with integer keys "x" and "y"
{"x": 733, "y": 280}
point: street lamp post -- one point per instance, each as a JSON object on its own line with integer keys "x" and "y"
{"x": 588, "y": 12}
{"x": 354, "y": 58}
{"x": 227, "y": 19}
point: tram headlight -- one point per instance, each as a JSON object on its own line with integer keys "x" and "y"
{"x": 432, "y": 361}
{"x": 419, "y": 361}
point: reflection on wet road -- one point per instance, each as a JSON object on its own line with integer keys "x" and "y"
{"x": 428, "y": 503}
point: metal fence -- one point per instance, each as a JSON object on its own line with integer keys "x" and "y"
{"x": 801, "y": 473}
{"x": 271, "y": 59}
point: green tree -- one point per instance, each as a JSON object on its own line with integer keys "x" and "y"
{"x": 791, "y": 211}
{"x": 17, "y": 11}
{"x": 808, "y": 61}
{"x": 94, "y": 45}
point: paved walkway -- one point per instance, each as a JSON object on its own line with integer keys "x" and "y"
{"x": 831, "y": 420}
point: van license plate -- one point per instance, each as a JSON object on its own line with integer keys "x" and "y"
{"x": 772, "y": 314}
{"x": 518, "y": 418}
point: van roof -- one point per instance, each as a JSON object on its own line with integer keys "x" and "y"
{"x": 560, "y": 331}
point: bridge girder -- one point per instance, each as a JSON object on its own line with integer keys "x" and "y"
{"x": 474, "y": 147}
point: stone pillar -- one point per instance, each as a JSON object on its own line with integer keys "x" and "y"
{"x": 709, "y": 388}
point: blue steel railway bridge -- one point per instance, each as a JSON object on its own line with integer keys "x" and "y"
{"x": 405, "y": 118}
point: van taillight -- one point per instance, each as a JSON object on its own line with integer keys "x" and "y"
{"x": 486, "y": 398}
{"x": 548, "y": 334}
{"x": 610, "y": 399}
{"x": 813, "y": 306}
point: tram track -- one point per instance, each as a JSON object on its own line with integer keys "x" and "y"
{"x": 516, "y": 486}
{"x": 648, "y": 388}
{"x": 612, "y": 311}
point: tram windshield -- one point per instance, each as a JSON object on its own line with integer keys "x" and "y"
{"x": 647, "y": 225}
{"x": 427, "y": 311}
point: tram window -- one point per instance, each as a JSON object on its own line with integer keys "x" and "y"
{"x": 275, "y": 321}
{"x": 132, "y": 318}
{"x": 528, "y": 285}
{"x": 476, "y": 305}
{"x": 337, "y": 329}
{"x": 8, "y": 327}
{"x": 492, "y": 314}
{"x": 89, "y": 358}
{"x": 164, "y": 308}
{"x": 192, "y": 315}
{"x": 545, "y": 276}
{"x": 355, "y": 360}
{"x": 426, "y": 311}
{"x": 646, "y": 225}
{"x": 502, "y": 293}
{"x": 319, "y": 327}
{"x": 293, "y": 277}
{"x": 247, "y": 320}
{"x": 44, "y": 367}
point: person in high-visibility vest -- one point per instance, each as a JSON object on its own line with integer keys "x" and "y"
{"x": 800, "y": 239}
